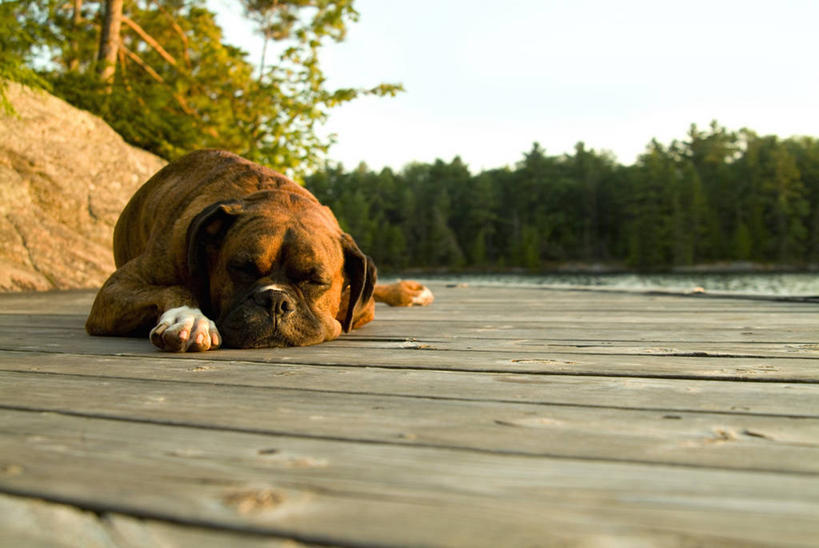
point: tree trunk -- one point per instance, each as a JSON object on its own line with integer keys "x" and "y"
{"x": 76, "y": 21}
{"x": 109, "y": 40}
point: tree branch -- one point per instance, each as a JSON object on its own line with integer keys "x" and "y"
{"x": 156, "y": 76}
{"x": 148, "y": 39}
{"x": 181, "y": 34}
{"x": 138, "y": 60}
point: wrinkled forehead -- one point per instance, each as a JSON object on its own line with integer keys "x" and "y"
{"x": 300, "y": 241}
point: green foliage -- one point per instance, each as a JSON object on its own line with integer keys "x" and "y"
{"x": 718, "y": 196}
{"x": 18, "y": 39}
{"x": 179, "y": 87}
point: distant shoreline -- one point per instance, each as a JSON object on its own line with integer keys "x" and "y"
{"x": 736, "y": 267}
{"x": 762, "y": 282}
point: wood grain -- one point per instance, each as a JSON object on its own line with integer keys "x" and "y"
{"x": 689, "y": 439}
{"x": 495, "y": 417}
{"x": 363, "y": 494}
{"x": 796, "y": 400}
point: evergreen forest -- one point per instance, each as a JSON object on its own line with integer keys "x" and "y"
{"x": 719, "y": 196}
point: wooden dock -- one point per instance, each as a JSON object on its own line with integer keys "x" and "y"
{"x": 496, "y": 417}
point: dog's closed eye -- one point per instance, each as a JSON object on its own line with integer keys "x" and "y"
{"x": 245, "y": 268}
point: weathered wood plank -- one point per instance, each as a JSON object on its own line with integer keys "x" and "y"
{"x": 73, "y": 341}
{"x": 477, "y": 417}
{"x": 353, "y": 493}
{"x": 756, "y": 338}
{"x": 467, "y": 330}
{"x": 601, "y": 345}
{"x": 491, "y": 293}
{"x": 419, "y": 355}
{"x": 48, "y": 302}
{"x": 32, "y": 523}
{"x": 146, "y": 532}
{"x": 670, "y": 316}
{"x": 775, "y": 399}
{"x": 37, "y": 524}
{"x": 617, "y": 323}
{"x": 690, "y": 439}
{"x": 509, "y": 303}
{"x": 743, "y": 333}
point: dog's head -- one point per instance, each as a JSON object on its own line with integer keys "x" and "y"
{"x": 270, "y": 270}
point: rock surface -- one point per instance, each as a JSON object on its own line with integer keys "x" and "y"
{"x": 65, "y": 175}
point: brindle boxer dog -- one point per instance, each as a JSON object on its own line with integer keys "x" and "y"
{"x": 215, "y": 250}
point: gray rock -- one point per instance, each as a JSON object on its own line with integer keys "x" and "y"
{"x": 65, "y": 175}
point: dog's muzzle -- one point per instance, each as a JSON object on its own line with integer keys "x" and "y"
{"x": 275, "y": 300}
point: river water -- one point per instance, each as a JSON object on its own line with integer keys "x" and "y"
{"x": 775, "y": 284}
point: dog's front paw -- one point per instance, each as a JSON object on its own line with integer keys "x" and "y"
{"x": 404, "y": 293}
{"x": 185, "y": 329}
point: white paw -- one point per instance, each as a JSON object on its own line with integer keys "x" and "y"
{"x": 423, "y": 298}
{"x": 185, "y": 329}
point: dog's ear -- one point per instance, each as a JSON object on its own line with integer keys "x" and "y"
{"x": 205, "y": 234}
{"x": 361, "y": 274}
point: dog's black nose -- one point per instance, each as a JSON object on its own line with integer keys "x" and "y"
{"x": 274, "y": 300}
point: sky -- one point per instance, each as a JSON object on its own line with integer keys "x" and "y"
{"x": 485, "y": 80}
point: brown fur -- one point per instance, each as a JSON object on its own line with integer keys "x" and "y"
{"x": 209, "y": 230}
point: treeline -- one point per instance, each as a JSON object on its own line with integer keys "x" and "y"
{"x": 717, "y": 196}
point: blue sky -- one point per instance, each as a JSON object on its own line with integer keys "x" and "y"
{"x": 484, "y": 80}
